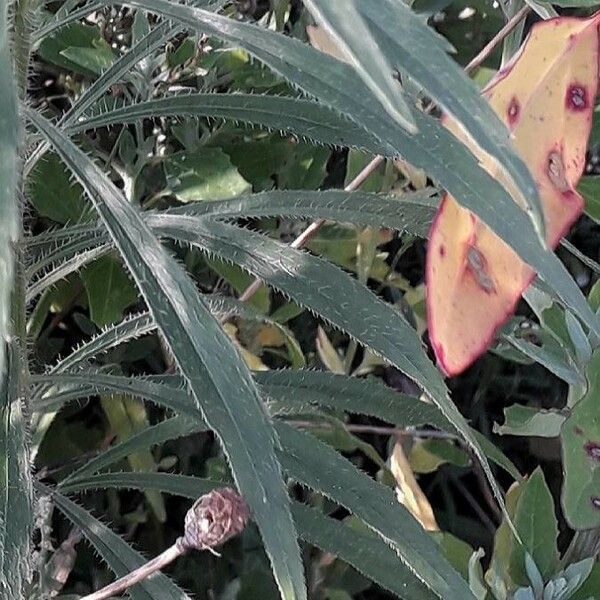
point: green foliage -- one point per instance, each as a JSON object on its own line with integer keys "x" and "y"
{"x": 172, "y": 153}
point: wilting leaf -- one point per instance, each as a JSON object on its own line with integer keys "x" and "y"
{"x": 474, "y": 279}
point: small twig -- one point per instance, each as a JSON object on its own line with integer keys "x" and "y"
{"x": 141, "y": 573}
{"x": 377, "y": 430}
{"x": 497, "y": 39}
{"x": 312, "y": 229}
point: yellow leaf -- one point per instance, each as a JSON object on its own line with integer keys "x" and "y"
{"x": 545, "y": 97}
{"x": 408, "y": 490}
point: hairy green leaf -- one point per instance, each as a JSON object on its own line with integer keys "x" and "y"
{"x": 321, "y": 468}
{"x": 205, "y": 356}
{"x": 119, "y": 556}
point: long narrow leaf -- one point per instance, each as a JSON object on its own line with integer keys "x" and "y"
{"x": 205, "y": 356}
{"x": 434, "y": 148}
{"x": 119, "y": 556}
{"x": 298, "y": 116}
{"x": 321, "y": 468}
{"x": 170, "y": 429}
{"x": 319, "y": 285}
{"x": 367, "y": 553}
{"x": 347, "y": 27}
{"x": 403, "y": 37}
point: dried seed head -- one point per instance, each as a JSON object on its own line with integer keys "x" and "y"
{"x": 214, "y": 518}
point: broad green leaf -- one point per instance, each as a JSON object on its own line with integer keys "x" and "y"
{"x": 52, "y": 193}
{"x": 95, "y": 60}
{"x": 433, "y": 148}
{"x": 78, "y": 48}
{"x": 117, "y": 554}
{"x": 349, "y": 31}
{"x": 580, "y": 439}
{"x": 319, "y": 467}
{"x": 591, "y": 585}
{"x": 536, "y": 522}
{"x": 239, "y": 280}
{"x": 364, "y": 551}
{"x": 427, "y": 455}
{"x": 317, "y": 284}
{"x": 532, "y": 507}
{"x": 205, "y": 356}
{"x": 529, "y": 421}
{"x": 109, "y": 290}
{"x": 205, "y": 174}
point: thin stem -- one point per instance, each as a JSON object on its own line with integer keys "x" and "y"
{"x": 124, "y": 583}
{"x": 497, "y": 39}
{"x": 378, "y": 430}
{"x": 312, "y": 229}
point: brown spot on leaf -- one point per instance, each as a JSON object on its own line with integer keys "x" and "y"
{"x": 576, "y": 98}
{"x": 577, "y": 431}
{"x": 442, "y": 250}
{"x": 556, "y": 171}
{"x": 477, "y": 265}
{"x": 592, "y": 449}
{"x": 514, "y": 109}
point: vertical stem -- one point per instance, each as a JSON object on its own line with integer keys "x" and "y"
{"x": 15, "y": 476}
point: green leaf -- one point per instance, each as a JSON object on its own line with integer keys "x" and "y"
{"x": 536, "y": 522}
{"x": 95, "y": 60}
{"x": 151, "y": 436}
{"x": 126, "y": 417}
{"x": 109, "y": 290}
{"x": 347, "y": 28}
{"x": 52, "y": 193}
{"x": 427, "y": 455}
{"x": 529, "y": 421}
{"x": 239, "y": 280}
{"x": 77, "y": 48}
{"x": 221, "y": 384}
{"x": 591, "y": 585}
{"x": 205, "y": 174}
{"x": 321, "y": 468}
{"x": 411, "y": 212}
{"x": 406, "y": 43}
{"x": 364, "y": 551}
{"x": 119, "y": 556}
{"x": 589, "y": 188}
{"x": 302, "y": 117}
{"x": 294, "y": 391}
{"x": 312, "y": 282}
{"x": 580, "y": 439}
